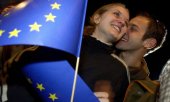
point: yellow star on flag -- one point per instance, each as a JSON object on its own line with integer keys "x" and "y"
{"x": 40, "y": 87}
{"x": 1, "y": 32}
{"x": 56, "y": 6}
{"x": 35, "y": 27}
{"x": 50, "y": 17}
{"x": 14, "y": 33}
{"x": 53, "y": 97}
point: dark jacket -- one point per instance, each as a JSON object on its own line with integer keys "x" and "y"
{"x": 96, "y": 63}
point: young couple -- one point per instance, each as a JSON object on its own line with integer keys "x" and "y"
{"x": 102, "y": 69}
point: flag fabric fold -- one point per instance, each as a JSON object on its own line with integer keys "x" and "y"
{"x": 53, "y": 81}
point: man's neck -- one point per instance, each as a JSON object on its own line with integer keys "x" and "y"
{"x": 132, "y": 59}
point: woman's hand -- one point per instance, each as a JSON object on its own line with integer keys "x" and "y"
{"x": 102, "y": 96}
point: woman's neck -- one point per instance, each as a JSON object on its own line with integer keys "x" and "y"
{"x": 101, "y": 38}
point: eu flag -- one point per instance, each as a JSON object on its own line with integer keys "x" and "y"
{"x": 52, "y": 23}
{"x": 53, "y": 81}
{"x": 56, "y": 24}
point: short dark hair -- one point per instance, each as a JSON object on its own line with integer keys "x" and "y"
{"x": 156, "y": 30}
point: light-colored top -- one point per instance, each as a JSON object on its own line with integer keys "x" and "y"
{"x": 164, "y": 79}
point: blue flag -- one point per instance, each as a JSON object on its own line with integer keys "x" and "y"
{"x": 56, "y": 24}
{"x": 53, "y": 23}
{"x": 53, "y": 81}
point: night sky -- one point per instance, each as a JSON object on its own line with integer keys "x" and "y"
{"x": 159, "y": 8}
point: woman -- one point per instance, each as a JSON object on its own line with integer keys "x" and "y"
{"x": 99, "y": 67}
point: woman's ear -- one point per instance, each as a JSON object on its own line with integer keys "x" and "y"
{"x": 150, "y": 43}
{"x": 96, "y": 18}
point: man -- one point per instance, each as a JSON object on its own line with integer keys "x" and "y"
{"x": 144, "y": 35}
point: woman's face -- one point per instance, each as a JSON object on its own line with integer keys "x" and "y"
{"x": 113, "y": 23}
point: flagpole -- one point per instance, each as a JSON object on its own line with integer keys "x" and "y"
{"x": 78, "y": 58}
{"x": 75, "y": 80}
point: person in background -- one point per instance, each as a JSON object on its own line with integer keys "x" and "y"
{"x": 144, "y": 36}
{"x": 164, "y": 79}
{"x": 99, "y": 67}
{"x": 8, "y": 87}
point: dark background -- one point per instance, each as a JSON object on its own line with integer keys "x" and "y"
{"x": 160, "y": 9}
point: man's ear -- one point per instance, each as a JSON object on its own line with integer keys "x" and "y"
{"x": 150, "y": 43}
{"x": 96, "y": 18}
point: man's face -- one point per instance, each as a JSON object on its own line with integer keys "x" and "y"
{"x": 132, "y": 40}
